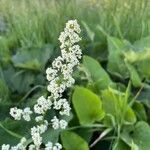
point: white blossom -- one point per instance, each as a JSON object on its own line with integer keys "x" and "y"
{"x": 60, "y": 77}
{"x": 63, "y": 105}
{"x": 39, "y": 118}
{"x": 51, "y": 146}
{"x": 5, "y": 147}
{"x": 51, "y": 74}
{"x": 42, "y": 105}
{"x": 26, "y": 114}
{"x": 32, "y": 147}
{"x": 57, "y": 63}
{"x": 56, "y": 123}
{"x": 63, "y": 124}
{"x": 16, "y": 113}
{"x": 36, "y": 137}
{"x": 72, "y": 26}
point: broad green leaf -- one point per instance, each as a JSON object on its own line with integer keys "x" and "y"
{"x": 72, "y": 141}
{"x": 120, "y": 145}
{"x": 129, "y": 117}
{"x": 145, "y": 93}
{"x": 4, "y": 109}
{"x": 96, "y": 73}
{"x": 22, "y": 81}
{"x": 143, "y": 43}
{"x": 137, "y": 56}
{"x": 32, "y": 59}
{"x": 144, "y": 68}
{"x": 4, "y": 91}
{"x": 139, "y": 111}
{"x": 90, "y": 33}
{"x": 11, "y": 131}
{"x": 142, "y": 60}
{"x": 87, "y": 105}
{"x": 116, "y": 49}
{"x": 135, "y": 78}
{"x": 85, "y": 133}
{"x": 139, "y": 135}
{"x": 51, "y": 135}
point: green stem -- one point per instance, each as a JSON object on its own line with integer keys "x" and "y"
{"x": 10, "y": 132}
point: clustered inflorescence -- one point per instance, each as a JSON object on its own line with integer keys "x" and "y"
{"x": 60, "y": 78}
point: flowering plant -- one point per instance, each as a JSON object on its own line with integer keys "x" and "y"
{"x": 59, "y": 76}
{"x": 104, "y": 110}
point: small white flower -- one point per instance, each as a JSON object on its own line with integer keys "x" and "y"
{"x": 16, "y": 113}
{"x": 5, "y": 147}
{"x": 59, "y": 146}
{"x": 37, "y": 139}
{"x": 39, "y": 118}
{"x": 26, "y": 114}
{"x": 57, "y": 63}
{"x": 51, "y": 146}
{"x": 63, "y": 105}
{"x": 42, "y": 105}
{"x": 14, "y": 148}
{"x": 69, "y": 81}
{"x": 42, "y": 128}
{"x": 51, "y": 73}
{"x": 23, "y": 140}
{"x": 63, "y": 124}
{"x": 55, "y": 122}
{"x": 31, "y": 147}
{"x": 72, "y": 26}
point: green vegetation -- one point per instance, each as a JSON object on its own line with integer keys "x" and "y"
{"x": 112, "y": 96}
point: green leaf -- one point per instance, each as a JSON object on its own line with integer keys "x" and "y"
{"x": 72, "y": 141}
{"x": 137, "y": 56}
{"x": 130, "y": 117}
{"x": 96, "y": 73}
{"x": 32, "y": 59}
{"x": 4, "y": 91}
{"x": 12, "y": 131}
{"x": 139, "y": 111}
{"x": 51, "y": 135}
{"x": 116, "y": 107}
{"x": 135, "y": 78}
{"x": 90, "y": 33}
{"x": 140, "y": 59}
{"x": 140, "y": 136}
{"x": 116, "y": 65}
{"x": 143, "y": 43}
{"x": 87, "y": 105}
{"x": 120, "y": 145}
{"x": 144, "y": 69}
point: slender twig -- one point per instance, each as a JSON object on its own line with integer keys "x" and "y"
{"x": 87, "y": 126}
{"x": 100, "y": 137}
{"x": 29, "y": 92}
{"x": 137, "y": 94}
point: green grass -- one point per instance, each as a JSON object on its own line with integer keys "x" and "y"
{"x": 35, "y": 22}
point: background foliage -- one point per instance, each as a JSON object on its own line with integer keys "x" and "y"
{"x": 116, "y": 38}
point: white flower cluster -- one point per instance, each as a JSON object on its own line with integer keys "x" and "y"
{"x": 60, "y": 78}
{"x": 19, "y": 146}
{"x": 36, "y": 133}
{"x": 50, "y": 146}
{"x": 18, "y": 113}
{"x": 56, "y": 123}
{"x": 42, "y": 105}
